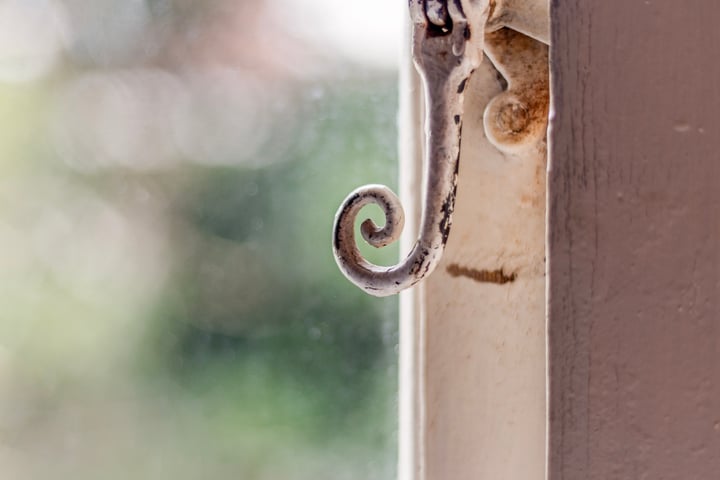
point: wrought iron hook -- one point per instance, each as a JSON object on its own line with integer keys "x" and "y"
{"x": 446, "y": 50}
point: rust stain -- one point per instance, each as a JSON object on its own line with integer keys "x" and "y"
{"x": 521, "y": 112}
{"x": 482, "y": 276}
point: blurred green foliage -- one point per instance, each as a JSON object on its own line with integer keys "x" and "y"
{"x": 304, "y": 327}
{"x": 187, "y": 319}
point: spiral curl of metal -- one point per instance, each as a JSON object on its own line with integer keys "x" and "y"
{"x": 445, "y": 52}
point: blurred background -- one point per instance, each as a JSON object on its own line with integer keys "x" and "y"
{"x": 169, "y": 173}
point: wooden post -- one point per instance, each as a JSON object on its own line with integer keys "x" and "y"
{"x": 634, "y": 241}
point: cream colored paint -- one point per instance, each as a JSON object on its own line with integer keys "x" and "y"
{"x": 485, "y": 342}
{"x": 473, "y": 353}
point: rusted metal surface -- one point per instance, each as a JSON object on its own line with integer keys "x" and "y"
{"x": 448, "y": 41}
{"x": 517, "y": 118}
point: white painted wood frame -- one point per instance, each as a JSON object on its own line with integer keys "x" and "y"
{"x": 472, "y": 336}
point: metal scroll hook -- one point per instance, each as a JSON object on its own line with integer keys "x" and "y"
{"x": 446, "y": 50}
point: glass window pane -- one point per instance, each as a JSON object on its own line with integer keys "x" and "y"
{"x": 169, "y": 173}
